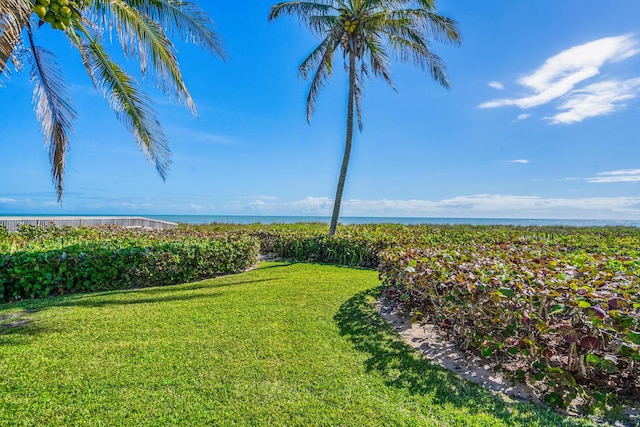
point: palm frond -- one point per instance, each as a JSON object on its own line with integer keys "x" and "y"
{"x": 14, "y": 17}
{"x": 132, "y": 107}
{"x": 185, "y": 19}
{"x": 323, "y": 71}
{"x": 304, "y": 10}
{"x": 378, "y": 58}
{"x": 417, "y": 50}
{"x": 53, "y": 106}
{"x": 431, "y": 25}
{"x": 143, "y": 38}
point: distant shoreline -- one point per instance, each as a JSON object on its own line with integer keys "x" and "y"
{"x": 347, "y": 220}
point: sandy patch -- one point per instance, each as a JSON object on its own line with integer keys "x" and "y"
{"x": 432, "y": 343}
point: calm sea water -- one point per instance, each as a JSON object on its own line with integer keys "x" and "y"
{"x": 246, "y": 219}
{"x": 233, "y": 219}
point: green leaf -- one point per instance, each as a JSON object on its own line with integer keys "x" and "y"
{"x": 507, "y": 292}
{"x": 592, "y": 359}
{"x": 634, "y": 337}
{"x": 486, "y": 351}
{"x": 584, "y": 304}
{"x": 557, "y": 309}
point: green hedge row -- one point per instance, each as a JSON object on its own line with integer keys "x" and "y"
{"x": 126, "y": 260}
{"x": 356, "y": 250}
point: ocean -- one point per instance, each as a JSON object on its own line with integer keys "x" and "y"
{"x": 346, "y": 220}
{"x": 240, "y": 219}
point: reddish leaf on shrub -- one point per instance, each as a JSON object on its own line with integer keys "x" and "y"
{"x": 596, "y": 312}
{"x": 569, "y": 334}
{"x": 590, "y": 343}
{"x": 617, "y": 304}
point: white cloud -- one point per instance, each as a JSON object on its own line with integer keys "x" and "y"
{"x": 524, "y": 116}
{"x": 307, "y": 206}
{"x": 562, "y": 73}
{"x": 475, "y": 206}
{"x": 7, "y": 200}
{"x": 523, "y": 161}
{"x": 496, "y": 85}
{"x": 598, "y": 99}
{"x": 623, "y": 175}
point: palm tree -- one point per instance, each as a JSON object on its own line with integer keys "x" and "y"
{"x": 141, "y": 26}
{"x": 366, "y": 31}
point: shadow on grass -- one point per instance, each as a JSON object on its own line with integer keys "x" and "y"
{"x": 403, "y": 367}
{"x": 279, "y": 265}
{"x": 128, "y": 296}
{"x": 132, "y": 301}
{"x": 15, "y": 324}
{"x": 200, "y": 284}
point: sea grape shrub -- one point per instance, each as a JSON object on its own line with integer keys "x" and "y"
{"x": 566, "y": 321}
{"x": 107, "y": 259}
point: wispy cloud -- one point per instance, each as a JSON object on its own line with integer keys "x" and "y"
{"x": 7, "y": 200}
{"x": 496, "y": 85}
{"x": 623, "y": 175}
{"x": 597, "y": 99}
{"x": 524, "y": 116}
{"x": 523, "y": 161}
{"x": 560, "y": 74}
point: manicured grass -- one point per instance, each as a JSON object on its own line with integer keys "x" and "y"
{"x": 283, "y": 345}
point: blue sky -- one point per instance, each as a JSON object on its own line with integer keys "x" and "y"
{"x": 542, "y": 121}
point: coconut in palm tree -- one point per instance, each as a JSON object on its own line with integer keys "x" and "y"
{"x": 141, "y": 27}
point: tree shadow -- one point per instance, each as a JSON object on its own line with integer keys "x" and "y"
{"x": 86, "y": 302}
{"x": 403, "y": 367}
{"x": 16, "y": 324}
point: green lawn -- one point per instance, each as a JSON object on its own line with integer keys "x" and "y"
{"x": 283, "y": 345}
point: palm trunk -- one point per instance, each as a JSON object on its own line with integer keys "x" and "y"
{"x": 347, "y": 147}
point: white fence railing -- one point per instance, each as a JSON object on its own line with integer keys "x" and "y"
{"x": 12, "y": 223}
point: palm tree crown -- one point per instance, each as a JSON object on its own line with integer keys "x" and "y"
{"x": 140, "y": 26}
{"x": 367, "y": 32}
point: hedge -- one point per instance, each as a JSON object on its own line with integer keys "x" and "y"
{"x": 119, "y": 260}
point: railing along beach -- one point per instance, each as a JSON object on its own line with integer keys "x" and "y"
{"x": 13, "y": 223}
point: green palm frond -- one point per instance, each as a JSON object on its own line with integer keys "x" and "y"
{"x": 374, "y": 30}
{"x": 422, "y": 57}
{"x": 132, "y": 107}
{"x": 378, "y": 58}
{"x": 321, "y": 59}
{"x": 53, "y": 106}
{"x": 185, "y": 19}
{"x": 14, "y": 17}
{"x": 304, "y": 10}
{"x": 144, "y": 39}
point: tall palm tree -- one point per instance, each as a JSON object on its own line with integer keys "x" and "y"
{"x": 141, "y": 27}
{"x": 366, "y": 32}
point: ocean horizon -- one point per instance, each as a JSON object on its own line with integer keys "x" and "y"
{"x": 348, "y": 220}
